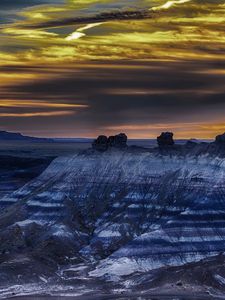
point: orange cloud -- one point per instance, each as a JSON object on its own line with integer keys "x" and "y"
{"x": 38, "y": 114}
{"x": 37, "y": 103}
{"x": 181, "y": 130}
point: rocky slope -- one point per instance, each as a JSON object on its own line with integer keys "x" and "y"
{"x": 111, "y": 215}
{"x": 15, "y": 171}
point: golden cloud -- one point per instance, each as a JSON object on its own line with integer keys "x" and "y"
{"x": 38, "y": 103}
{"x": 178, "y": 30}
{"x": 37, "y": 114}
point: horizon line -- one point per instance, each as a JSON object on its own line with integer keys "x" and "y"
{"x": 94, "y": 137}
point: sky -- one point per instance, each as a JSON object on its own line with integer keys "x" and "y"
{"x": 80, "y": 68}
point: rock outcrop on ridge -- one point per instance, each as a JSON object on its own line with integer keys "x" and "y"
{"x": 165, "y": 139}
{"x": 102, "y": 143}
{"x": 220, "y": 139}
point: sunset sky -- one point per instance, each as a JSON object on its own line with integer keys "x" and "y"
{"x": 79, "y": 68}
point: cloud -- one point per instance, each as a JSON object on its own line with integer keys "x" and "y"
{"x": 115, "y": 15}
{"x": 36, "y": 114}
{"x": 127, "y": 65}
{"x": 175, "y": 30}
{"x": 42, "y": 104}
{"x": 207, "y": 130}
{"x": 169, "y": 30}
{"x": 96, "y": 18}
{"x": 80, "y": 32}
{"x": 134, "y": 96}
{"x": 16, "y": 4}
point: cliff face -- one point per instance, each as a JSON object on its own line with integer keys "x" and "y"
{"x": 126, "y": 211}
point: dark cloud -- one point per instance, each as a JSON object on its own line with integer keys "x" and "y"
{"x": 118, "y": 92}
{"x": 127, "y": 94}
{"x": 96, "y": 18}
{"x": 107, "y": 13}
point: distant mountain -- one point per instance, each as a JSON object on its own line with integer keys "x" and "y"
{"x": 16, "y": 136}
{"x": 73, "y": 140}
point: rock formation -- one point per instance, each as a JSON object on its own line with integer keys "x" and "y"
{"x": 165, "y": 139}
{"x": 102, "y": 143}
{"x": 220, "y": 139}
{"x": 118, "y": 141}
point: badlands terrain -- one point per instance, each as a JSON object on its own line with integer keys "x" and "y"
{"x": 121, "y": 223}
